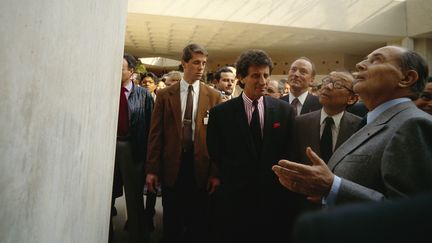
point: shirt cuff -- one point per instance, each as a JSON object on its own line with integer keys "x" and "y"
{"x": 330, "y": 199}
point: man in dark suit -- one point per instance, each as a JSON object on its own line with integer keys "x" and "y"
{"x": 177, "y": 148}
{"x": 335, "y": 95}
{"x": 391, "y": 156}
{"x": 300, "y": 77}
{"x": 135, "y": 110}
{"x": 251, "y": 204}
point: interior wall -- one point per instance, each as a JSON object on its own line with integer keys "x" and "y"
{"x": 60, "y": 70}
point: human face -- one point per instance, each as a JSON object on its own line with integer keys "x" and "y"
{"x": 194, "y": 68}
{"x": 256, "y": 81}
{"x": 287, "y": 88}
{"x": 149, "y": 84}
{"x": 126, "y": 72}
{"x": 272, "y": 89}
{"x": 226, "y": 83}
{"x": 424, "y": 102}
{"x": 300, "y": 76}
{"x": 378, "y": 76}
{"x": 336, "y": 94}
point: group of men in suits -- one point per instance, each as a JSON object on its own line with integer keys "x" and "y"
{"x": 246, "y": 187}
{"x": 390, "y": 157}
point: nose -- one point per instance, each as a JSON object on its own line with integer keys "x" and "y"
{"x": 361, "y": 66}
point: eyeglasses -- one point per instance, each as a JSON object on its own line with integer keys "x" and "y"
{"x": 337, "y": 84}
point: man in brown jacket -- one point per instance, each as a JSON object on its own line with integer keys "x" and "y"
{"x": 177, "y": 151}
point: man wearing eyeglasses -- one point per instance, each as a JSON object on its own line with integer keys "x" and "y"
{"x": 390, "y": 157}
{"x": 335, "y": 95}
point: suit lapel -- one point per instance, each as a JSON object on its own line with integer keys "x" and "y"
{"x": 269, "y": 114}
{"x": 203, "y": 101}
{"x": 315, "y": 132}
{"x": 242, "y": 123}
{"x": 175, "y": 104}
{"x": 366, "y": 133}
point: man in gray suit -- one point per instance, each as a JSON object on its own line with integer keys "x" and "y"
{"x": 391, "y": 156}
{"x": 331, "y": 122}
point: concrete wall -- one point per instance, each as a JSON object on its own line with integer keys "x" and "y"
{"x": 60, "y": 70}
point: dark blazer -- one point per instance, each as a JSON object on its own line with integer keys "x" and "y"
{"x": 406, "y": 220}
{"x": 390, "y": 157}
{"x": 165, "y": 138}
{"x": 308, "y": 132}
{"x": 248, "y": 185}
{"x": 311, "y": 103}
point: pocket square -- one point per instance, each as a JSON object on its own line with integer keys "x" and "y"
{"x": 276, "y": 125}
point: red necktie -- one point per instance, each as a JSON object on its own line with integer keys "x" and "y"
{"x": 123, "y": 118}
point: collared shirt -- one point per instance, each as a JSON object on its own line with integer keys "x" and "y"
{"x": 371, "y": 116}
{"x": 128, "y": 88}
{"x": 184, "y": 86}
{"x": 249, "y": 108}
{"x": 335, "y": 127}
{"x": 301, "y": 99}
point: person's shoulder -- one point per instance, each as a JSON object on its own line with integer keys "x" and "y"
{"x": 211, "y": 91}
{"x": 352, "y": 116}
{"x": 308, "y": 116}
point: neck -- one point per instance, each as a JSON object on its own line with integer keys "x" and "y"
{"x": 331, "y": 111}
{"x": 298, "y": 92}
{"x": 189, "y": 81}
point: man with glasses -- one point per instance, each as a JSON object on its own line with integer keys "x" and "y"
{"x": 335, "y": 95}
{"x": 390, "y": 157}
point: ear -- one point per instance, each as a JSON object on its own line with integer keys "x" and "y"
{"x": 410, "y": 78}
{"x": 352, "y": 99}
{"x": 183, "y": 63}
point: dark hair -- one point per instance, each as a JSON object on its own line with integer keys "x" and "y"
{"x": 252, "y": 57}
{"x": 411, "y": 60}
{"x": 131, "y": 60}
{"x": 310, "y": 61}
{"x": 191, "y": 49}
{"x": 220, "y": 71}
{"x": 151, "y": 75}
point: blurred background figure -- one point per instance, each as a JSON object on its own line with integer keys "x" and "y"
{"x": 424, "y": 101}
{"x": 173, "y": 77}
{"x": 287, "y": 87}
{"x": 224, "y": 82}
{"x": 275, "y": 89}
{"x": 150, "y": 81}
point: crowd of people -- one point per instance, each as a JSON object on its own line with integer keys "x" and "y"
{"x": 240, "y": 158}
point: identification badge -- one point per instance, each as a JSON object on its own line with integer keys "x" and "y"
{"x": 205, "y": 120}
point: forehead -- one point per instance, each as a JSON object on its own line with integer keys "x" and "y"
{"x": 148, "y": 79}
{"x": 258, "y": 69}
{"x": 125, "y": 63}
{"x": 389, "y": 52}
{"x": 227, "y": 75}
{"x": 273, "y": 84}
{"x": 301, "y": 63}
{"x": 198, "y": 56}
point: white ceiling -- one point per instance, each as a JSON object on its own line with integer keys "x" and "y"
{"x": 298, "y": 27}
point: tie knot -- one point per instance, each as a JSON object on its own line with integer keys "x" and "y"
{"x": 255, "y": 102}
{"x": 295, "y": 101}
{"x": 329, "y": 120}
{"x": 190, "y": 88}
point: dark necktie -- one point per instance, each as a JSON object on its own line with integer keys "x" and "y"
{"x": 294, "y": 104}
{"x": 326, "y": 143}
{"x": 123, "y": 117}
{"x": 187, "y": 121}
{"x": 255, "y": 127}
